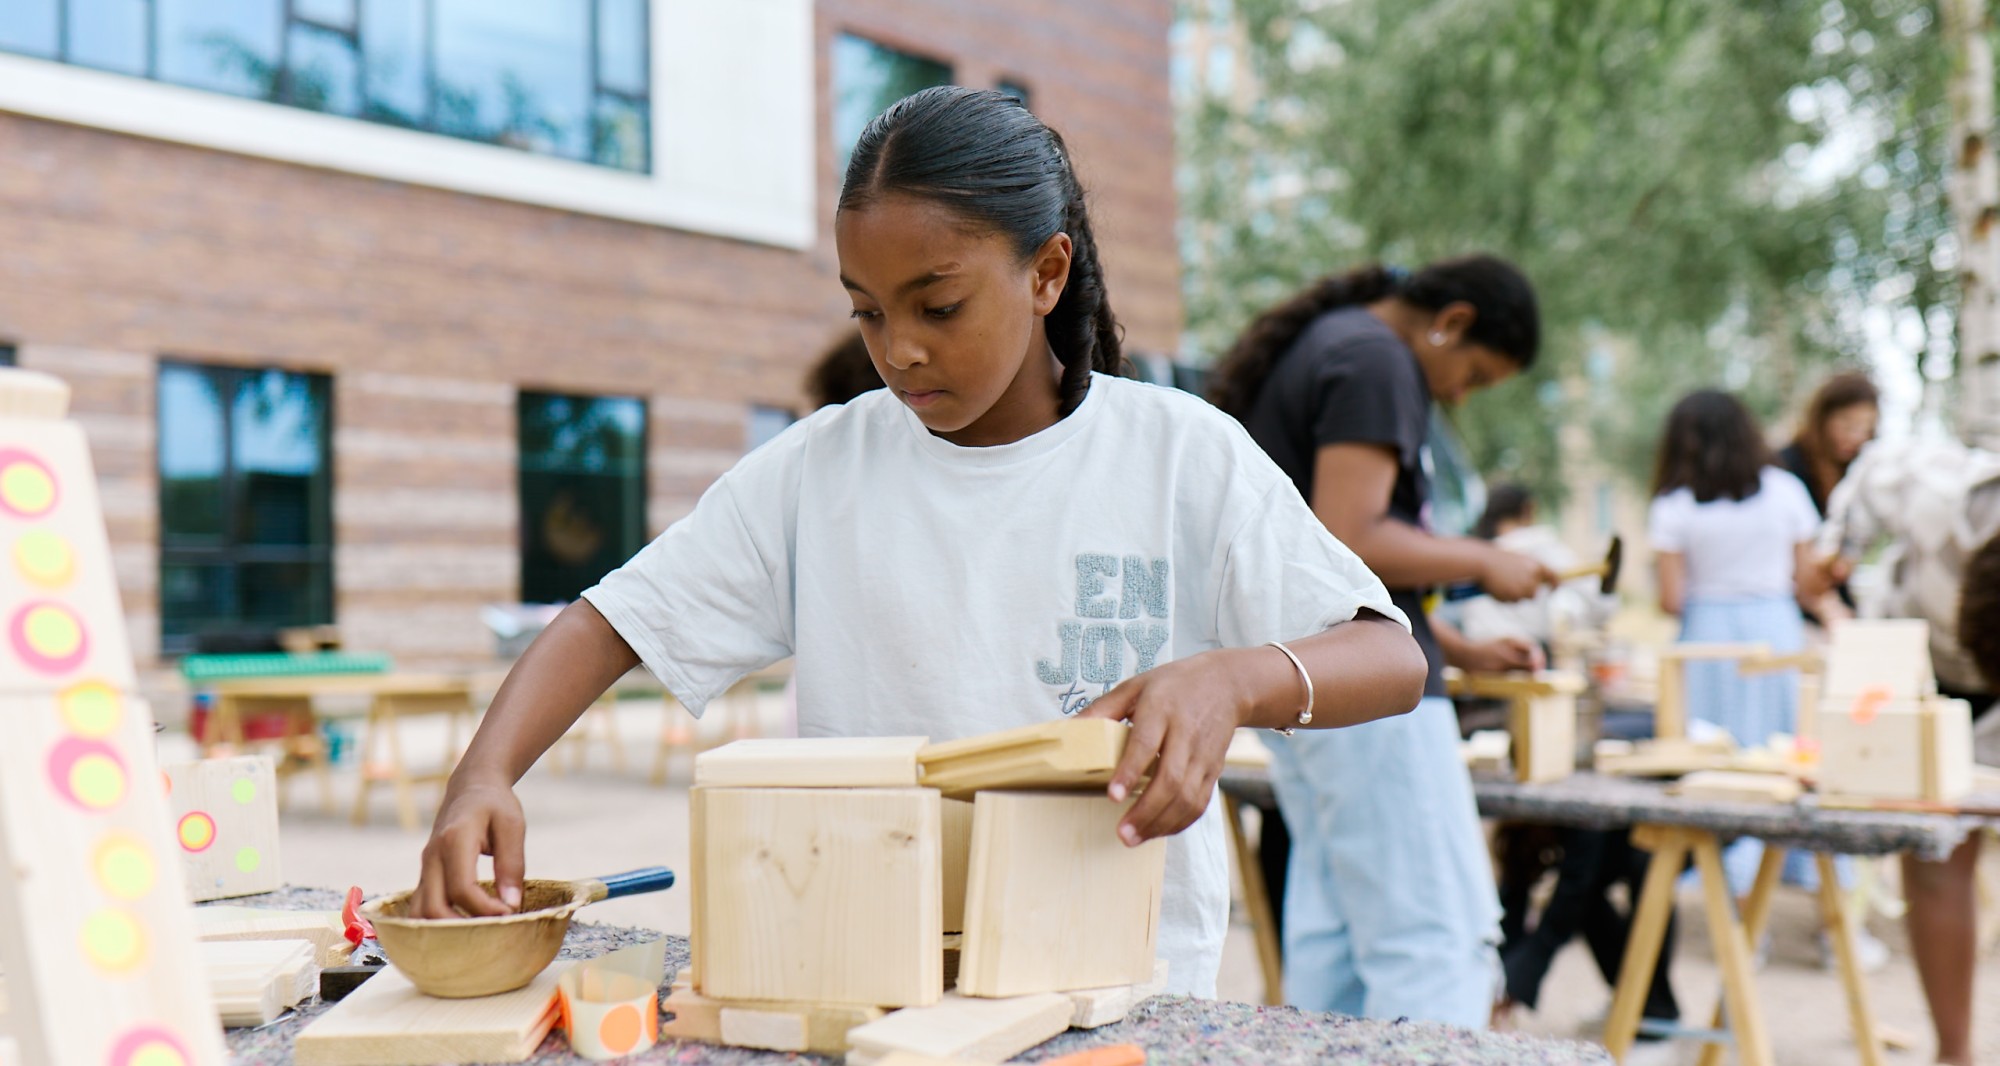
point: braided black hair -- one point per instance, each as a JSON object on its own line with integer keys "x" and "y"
{"x": 1506, "y": 318}
{"x": 991, "y": 160}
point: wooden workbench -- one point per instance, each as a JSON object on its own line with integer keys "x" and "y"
{"x": 1175, "y": 1030}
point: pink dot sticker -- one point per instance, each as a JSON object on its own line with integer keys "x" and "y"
{"x": 49, "y": 637}
{"x": 88, "y": 774}
{"x": 150, "y": 1045}
{"x": 28, "y": 488}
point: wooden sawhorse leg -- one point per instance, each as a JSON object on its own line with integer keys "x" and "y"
{"x": 1256, "y": 901}
{"x": 1671, "y": 846}
{"x": 1756, "y": 911}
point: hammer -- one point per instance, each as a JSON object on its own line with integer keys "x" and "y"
{"x": 1607, "y": 571}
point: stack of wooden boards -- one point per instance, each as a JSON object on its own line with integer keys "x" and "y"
{"x": 254, "y": 981}
{"x": 827, "y": 875}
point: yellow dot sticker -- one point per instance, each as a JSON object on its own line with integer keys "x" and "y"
{"x": 243, "y": 790}
{"x": 197, "y": 831}
{"x": 125, "y": 866}
{"x": 113, "y": 941}
{"x": 158, "y": 1053}
{"x": 150, "y": 1045}
{"x": 91, "y": 709}
{"x": 97, "y": 781}
{"x": 53, "y": 631}
{"x": 247, "y": 860}
{"x": 45, "y": 559}
{"x": 27, "y": 485}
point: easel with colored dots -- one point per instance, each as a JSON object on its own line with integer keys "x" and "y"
{"x": 96, "y": 939}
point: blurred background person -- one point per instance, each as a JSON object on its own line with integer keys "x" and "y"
{"x": 1839, "y": 420}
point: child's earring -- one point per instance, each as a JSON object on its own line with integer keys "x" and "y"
{"x": 1437, "y": 340}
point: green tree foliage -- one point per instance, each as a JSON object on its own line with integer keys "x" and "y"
{"x": 1704, "y": 191}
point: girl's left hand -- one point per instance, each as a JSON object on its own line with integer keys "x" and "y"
{"x": 1183, "y": 714}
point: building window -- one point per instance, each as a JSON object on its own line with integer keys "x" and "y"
{"x": 246, "y": 526}
{"x": 1014, "y": 91}
{"x": 567, "y": 78}
{"x": 7, "y": 355}
{"x": 867, "y": 78}
{"x": 765, "y": 422}
{"x": 583, "y": 491}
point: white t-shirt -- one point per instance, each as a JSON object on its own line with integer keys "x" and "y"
{"x": 929, "y": 589}
{"x": 1737, "y": 549}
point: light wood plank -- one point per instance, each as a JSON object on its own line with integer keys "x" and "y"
{"x": 820, "y": 895}
{"x": 1099, "y": 1007}
{"x": 1840, "y": 929}
{"x": 1054, "y": 900}
{"x": 229, "y": 809}
{"x": 983, "y": 1030}
{"x": 1732, "y": 953}
{"x": 1735, "y": 786}
{"x": 387, "y": 1022}
{"x": 811, "y": 762}
{"x": 1075, "y": 753}
{"x": 1649, "y": 929}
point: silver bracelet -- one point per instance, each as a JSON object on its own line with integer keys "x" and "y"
{"x": 1305, "y": 716}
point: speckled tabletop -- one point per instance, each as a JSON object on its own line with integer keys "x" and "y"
{"x": 1175, "y": 1031}
{"x": 1594, "y": 801}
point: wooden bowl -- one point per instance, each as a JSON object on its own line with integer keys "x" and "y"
{"x": 459, "y": 958}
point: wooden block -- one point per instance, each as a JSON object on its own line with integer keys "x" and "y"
{"x": 956, "y": 819}
{"x": 811, "y": 762}
{"x": 819, "y": 895}
{"x": 1098, "y": 1007}
{"x": 322, "y": 928}
{"x": 1735, "y": 786}
{"x": 1054, "y": 900}
{"x": 255, "y": 981}
{"x": 1677, "y": 757}
{"x": 1514, "y": 685}
{"x": 225, "y": 815}
{"x": 909, "y": 1058}
{"x": 817, "y": 1028}
{"x": 695, "y": 1017}
{"x": 1543, "y": 729}
{"x": 1903, "y": 750}
{"x": 1075, "y": 753}
{"x": 95, "y": 934}
{"x": 983, "y": 1030}
{"x": 1889, "y": 654}
{"x": 387, "y": 1022}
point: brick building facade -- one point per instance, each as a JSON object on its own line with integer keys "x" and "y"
{"x": 426, "y": 310}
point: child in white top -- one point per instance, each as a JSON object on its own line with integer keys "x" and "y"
{"x": 1002, "y": 536}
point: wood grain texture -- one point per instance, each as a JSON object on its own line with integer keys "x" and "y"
{"x": 1054, "y": 900}
{"x": 239, "y": 797}
{"x": 322, "y": 928}
{"x": 811, "y": 762}
{"x": 819, "y": 895}
{"x": 1075, "y": 753}
{"x": 982, "y": 1030}
{"x": 1099, "y": 1007}
{"x": 254, "y": 981}
{"x": 387, "y": 1022}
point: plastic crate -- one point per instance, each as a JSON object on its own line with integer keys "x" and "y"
{"x": 198, "y": 668}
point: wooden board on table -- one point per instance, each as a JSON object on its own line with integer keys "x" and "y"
{"x": 1509, "y": 686}
{"x": 982, "y": 1030}
{"x": 1054, "y": 901}
{"x": 1099, "y": 1007}
{"x": 225, "y": 815}
{"x": 818, "y": 895}
{"x": 1736, "y": 786}
{"x": 1067, "y": 753}
{"x": 811, "y": 762}
{"x": 322, "y": 928}
{"x": 1677, "y": 758}
{"x": 254, "y": 981}
{"x": 387, "y": 1022}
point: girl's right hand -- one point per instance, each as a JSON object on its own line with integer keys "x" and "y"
{"x": 1510, "y": 576}
{"x": 479, "y": 816}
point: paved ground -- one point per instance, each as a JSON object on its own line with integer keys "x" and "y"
{"x": 603, "y": 821}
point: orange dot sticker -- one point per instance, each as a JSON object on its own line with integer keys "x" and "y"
{"x": 196, "y": 831}
{"x": 620, "y": 1029}
{"x": 1869, "y": 704}
{"x": 124, "y": 866}
{"x": 113, "y": 941}
{"x": 87, "y": 773}
{"x": 150, "y": 1045}
{"x": 49, "y": 637}
{"x": 45, "y": 559}
{"x": 91, "y": 709}
{"x": 27, "y": 486}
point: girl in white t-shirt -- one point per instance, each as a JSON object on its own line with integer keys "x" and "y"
{"x": 1004, "y": 535}
{"x": 1731, "y": 532}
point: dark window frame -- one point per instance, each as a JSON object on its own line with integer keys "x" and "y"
{"x": 282, "y": 89}
{"x": 237, "y": 632}
{"x": 637, "y": 490}
{"x": 9, "y": 355}
{"x": 843, "y": 146}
